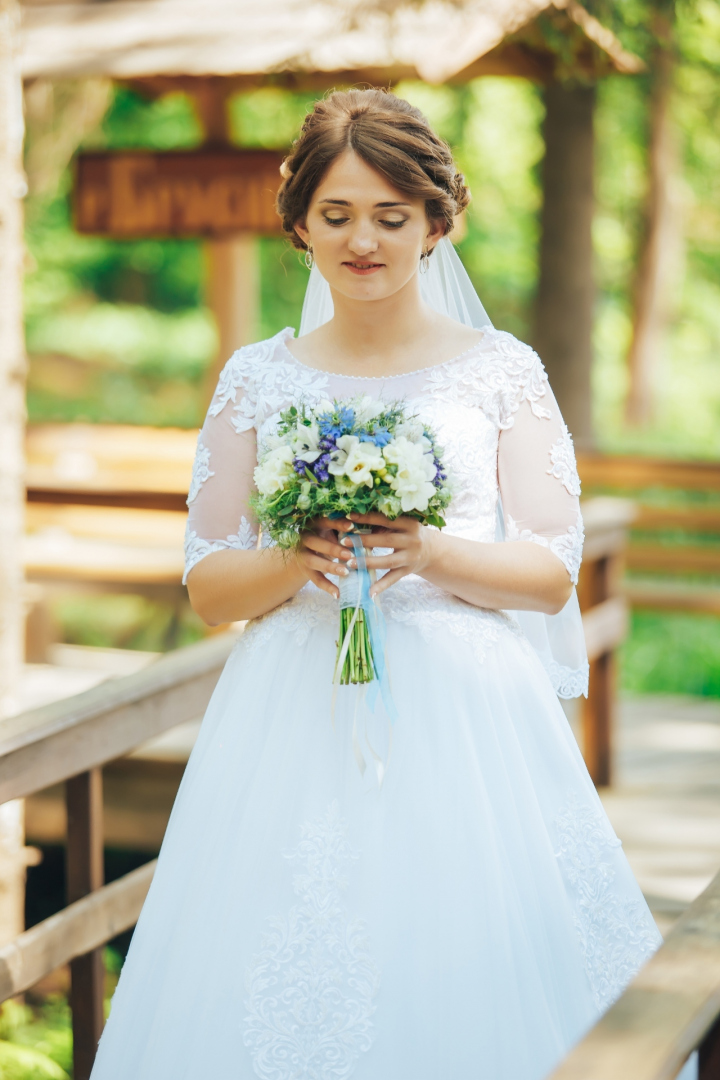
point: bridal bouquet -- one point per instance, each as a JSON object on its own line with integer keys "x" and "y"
{"x": 343, "y": 457}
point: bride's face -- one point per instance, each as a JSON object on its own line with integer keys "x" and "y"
{"x": 366, "y": 236}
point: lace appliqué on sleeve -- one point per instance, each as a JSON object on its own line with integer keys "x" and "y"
{"x": 196, "y": 548}
{"x": 568, "y": 682}
{"x": 563, "y": 465}
{"x": 200, "y": 471}
{"x": 568, "y": 546}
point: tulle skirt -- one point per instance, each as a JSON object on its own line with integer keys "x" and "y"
{"x": 471, "y": 916}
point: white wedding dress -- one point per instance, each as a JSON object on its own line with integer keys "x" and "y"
{"x": 472, "y": 916}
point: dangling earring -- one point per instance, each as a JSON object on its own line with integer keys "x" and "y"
{"x": 309, "y": 261}
{"x": 425, "y": 261}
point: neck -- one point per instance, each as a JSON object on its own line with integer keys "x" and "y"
{"x": 362, "y": 328}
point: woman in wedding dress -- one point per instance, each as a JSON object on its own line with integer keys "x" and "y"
{"x": 461, "y": 908}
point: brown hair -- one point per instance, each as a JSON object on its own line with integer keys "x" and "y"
{"x": 389, "y": 134}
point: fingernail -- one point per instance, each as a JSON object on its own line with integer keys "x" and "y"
{"x": 345, "y": 542}
{"x": 351, "y": 563}
{"x": 343, "y": 572}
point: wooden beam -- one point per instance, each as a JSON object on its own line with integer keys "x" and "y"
{"x": 605, "y": 626}
{"x": 630, "y": 473}
{"x": 85, "y": 874}
{"x": 666, "y": 1012}
{"x": 672, "y": 596}
{"x": 79, "y": 928}
{"x": 43, "y": 746}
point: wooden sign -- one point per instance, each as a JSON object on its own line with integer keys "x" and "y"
{"x": 134, "y": 194}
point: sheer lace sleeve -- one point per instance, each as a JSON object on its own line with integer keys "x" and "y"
{"x": 539, "y": 483}
{"x": 222, "y": 479}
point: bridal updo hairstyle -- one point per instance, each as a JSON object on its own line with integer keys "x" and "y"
{"x": 390, "y": 135}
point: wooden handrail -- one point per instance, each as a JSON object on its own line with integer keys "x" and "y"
{"x": 74, "y": 931}
{"x": 669, "y": 1009}
{"x": 46, "y": 745}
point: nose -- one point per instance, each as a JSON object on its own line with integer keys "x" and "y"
{"x": 362, "y": 240}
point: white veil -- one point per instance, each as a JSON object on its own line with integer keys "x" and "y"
{"x": 558, "y": 639}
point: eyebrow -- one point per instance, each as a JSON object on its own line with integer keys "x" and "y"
{"x": 380, "y": 205}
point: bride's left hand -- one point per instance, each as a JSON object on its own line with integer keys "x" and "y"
{"x": 413, "y": 547}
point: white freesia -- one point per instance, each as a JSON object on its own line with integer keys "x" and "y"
{"x": 305, "y": 442}
{"x": 366, "y": 409}
{"x": 413, "y": 430}
{"x": 324, "y": 406}
{"x": 274, "y": 472}
{"x": 415, "y": 472}
{"x": 357, "y": 460}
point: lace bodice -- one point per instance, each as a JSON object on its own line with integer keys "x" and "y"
{"x": 504, "y": 444}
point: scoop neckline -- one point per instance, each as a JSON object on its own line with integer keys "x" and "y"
{"x": 290, "y": 332}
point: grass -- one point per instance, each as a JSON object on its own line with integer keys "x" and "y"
{"x": 671, "y": 654}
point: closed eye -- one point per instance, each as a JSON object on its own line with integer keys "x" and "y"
{"x": 394, "y": 224}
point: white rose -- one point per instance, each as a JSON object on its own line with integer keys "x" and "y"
{"x": 305, "y": 442}
{"x": 415, "y": 472}
{"x": 366, "y": 409}
{"x": 274, "y": 471}
{"x": 357, "y": 460}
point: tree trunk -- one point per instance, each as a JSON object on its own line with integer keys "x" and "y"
{"x": 564, "y": 311}
{"x": 12, "y": 430}
{"x": 660, "y": 257}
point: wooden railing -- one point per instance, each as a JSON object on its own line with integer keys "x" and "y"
{"x": 71, "y": 740}
{"x": 670, "y": 1009}
{"x": 692, "y": 524}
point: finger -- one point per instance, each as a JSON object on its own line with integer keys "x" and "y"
{"x": 322, "y": 583}
{"x": 329, "y": 548}
{"x": 382, "y": 562}
{"x": 379, "y": 539}
{"x": 373, "y": 518}
{"x": 389, "y": 579}
{"x": 335, "y": 524}
{"x": 324, "y": 566}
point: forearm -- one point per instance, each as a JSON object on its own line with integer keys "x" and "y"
{"x": 518, "y": 575}
{"x": 231, "y": 585}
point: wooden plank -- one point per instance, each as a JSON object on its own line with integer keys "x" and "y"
{"x": 667, "y": 1010}
{"x": 109, "y": 458}
{"x": 652, "y": 557}
{"x": 49, "y": 555}
{"x": 672, "y": 596}
{"x": 79, "y": 928}
{"x": 84, "y": 861}
{"x": 206, "y": 192}
{"x": 631, "y": 473}
{"x": 43, "y": 746}
{"x": 605, "y": 626}
{"x": 689, "y": 518}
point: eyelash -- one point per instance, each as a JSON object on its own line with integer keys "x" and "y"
{"x": 387, "y": 224}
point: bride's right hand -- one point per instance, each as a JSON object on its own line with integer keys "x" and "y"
{"x": 318, "y": 548}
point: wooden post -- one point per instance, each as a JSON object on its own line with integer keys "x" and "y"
{"x": 83, "y": 796}
{"x": 564, "y": 306}
{"x": 660, "y": 258}
{"x": 234, "y": 297}
{"x": 710, "y": 1054}
{"x": 598, "y": 583}
{"x": 12, "y": 434}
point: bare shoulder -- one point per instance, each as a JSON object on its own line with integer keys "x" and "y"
{"x": 457, "y": 337}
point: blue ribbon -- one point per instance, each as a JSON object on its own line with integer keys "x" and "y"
{"x": 355, "y": 593}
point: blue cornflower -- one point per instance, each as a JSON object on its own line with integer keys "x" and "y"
{"x": 346, "y": 417}
{"x": 381, "y": 437}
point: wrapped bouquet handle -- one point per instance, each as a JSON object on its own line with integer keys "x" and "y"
{"x": 361, "y": 647}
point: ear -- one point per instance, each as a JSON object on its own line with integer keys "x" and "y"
{"x": 302, "y": 232}
{"x": 436, "y": 231}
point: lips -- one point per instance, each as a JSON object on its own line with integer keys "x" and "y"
{"x": 359, "y": 267}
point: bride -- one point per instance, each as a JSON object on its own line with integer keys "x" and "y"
{"x": 468, "y": 913}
